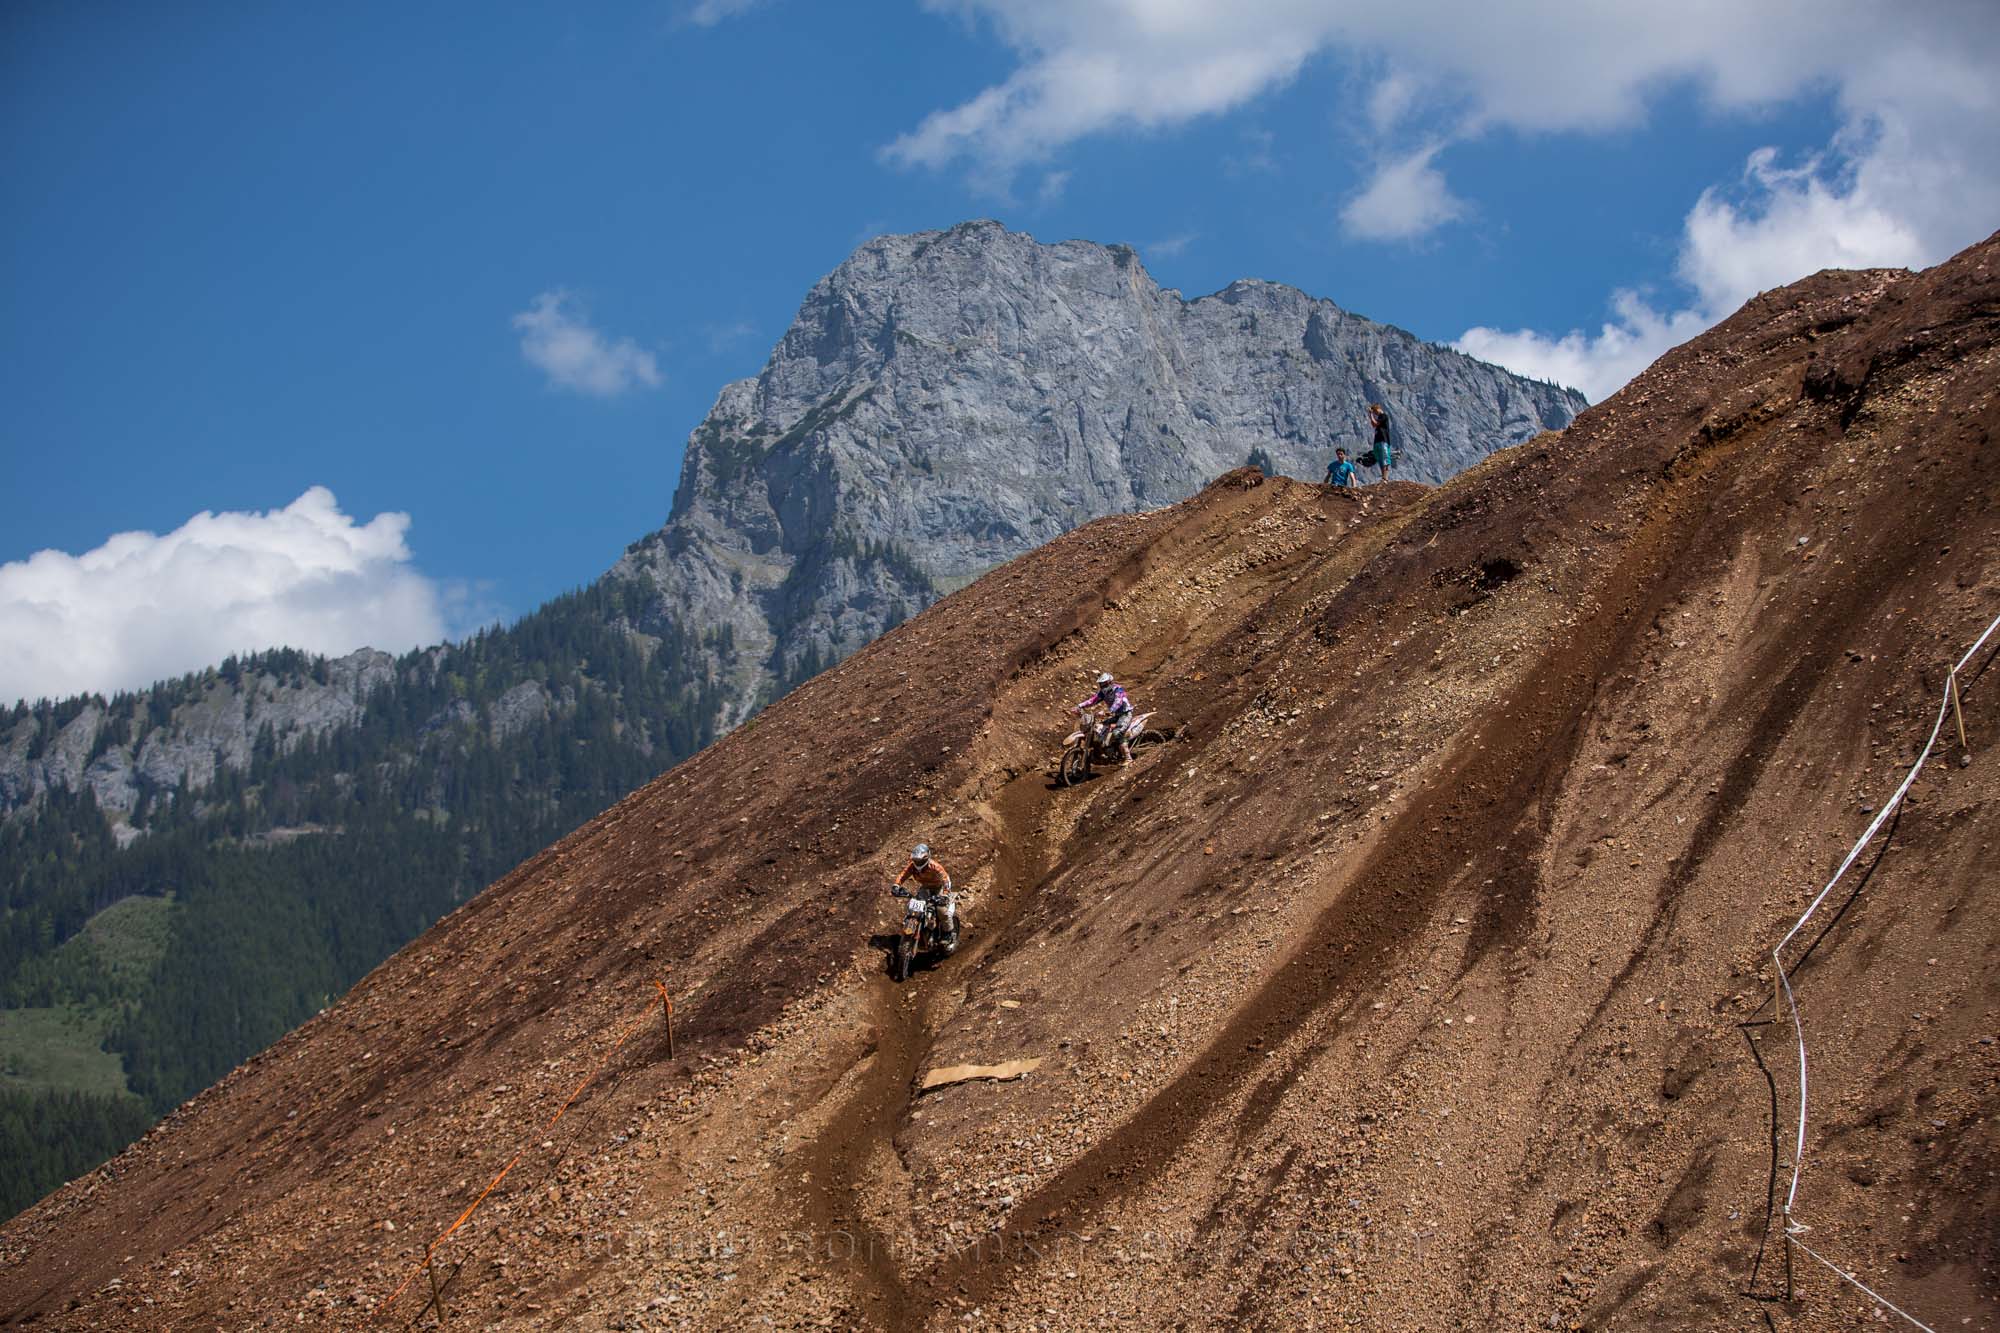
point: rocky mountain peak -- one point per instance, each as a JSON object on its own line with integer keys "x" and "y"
{"x": 946, "y": 400}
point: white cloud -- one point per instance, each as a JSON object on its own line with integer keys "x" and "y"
{"x": 1788, "y": 222}
{"x": 1052, "y": 187}
{"x": 1171, "y": 246}
{"x": 1913, "y": 175}
{"x": 1087, "y": 66}
{"x": 1390, "y": 98}
{"x": 144, "y": 607}
{"x": 708, "y": 13}
{"x": 1098, "y": 65}
{"x": 1595, "y": 363}
{"x": 1407, "y": 198}
{"x": 558, "y": 340}
{"x": 1797, "y": 221}
{"x": 722, "y": 337}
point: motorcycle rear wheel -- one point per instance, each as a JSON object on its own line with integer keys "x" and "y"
{"x": 1150, "y": 736}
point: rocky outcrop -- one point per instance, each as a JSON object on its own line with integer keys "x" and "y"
{"x": 942, "y": 403}
{"x": 183, "y": 731}
{"x": 945, "y": 401}
{"x": 523, "y": 706}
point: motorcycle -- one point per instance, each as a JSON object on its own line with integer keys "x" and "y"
{"x": 918, "y": 933}
{"x": 1093, "y": 743}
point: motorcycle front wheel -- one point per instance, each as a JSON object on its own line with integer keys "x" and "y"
{"x": 906, "y": 951}
{"x": 1075, "y": 765}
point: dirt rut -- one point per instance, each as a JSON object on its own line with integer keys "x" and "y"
{"x": 1402, "y": 992}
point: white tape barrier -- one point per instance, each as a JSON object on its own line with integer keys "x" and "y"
{"x": 1793, "y": 1230}
{"x": 1889, "y": 808}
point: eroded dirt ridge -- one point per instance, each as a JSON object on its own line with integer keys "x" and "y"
{"x": 1402, "y": 991}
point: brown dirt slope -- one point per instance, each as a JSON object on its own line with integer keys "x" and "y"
{"x": 1406, "y": 989}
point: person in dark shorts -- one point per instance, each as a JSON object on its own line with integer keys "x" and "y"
{"x": 1383, "y": 453}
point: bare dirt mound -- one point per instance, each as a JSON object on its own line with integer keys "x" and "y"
{"x": 1420, "y": 983}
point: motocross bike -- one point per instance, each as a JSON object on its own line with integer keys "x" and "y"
{"x": 1093, "y": 743}
{"x": 918, "y": 933}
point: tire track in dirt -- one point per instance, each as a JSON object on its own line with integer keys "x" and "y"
{"x": 836, "y": 1164}
{"x": 1531, "y": 735}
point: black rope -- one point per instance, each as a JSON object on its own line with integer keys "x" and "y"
{"x": 1867, "y": 876}
{"x": 1888, "y": 836}
{"x": 1771, "y": 1177}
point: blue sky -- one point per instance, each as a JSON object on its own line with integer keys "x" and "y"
{"x": 486, "y": 268}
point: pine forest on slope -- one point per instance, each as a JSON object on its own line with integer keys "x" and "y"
{"x": 295, "y": 873}
{"x": 942, "y": 403}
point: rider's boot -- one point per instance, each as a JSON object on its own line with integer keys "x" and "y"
{"x": 951, "y": 926}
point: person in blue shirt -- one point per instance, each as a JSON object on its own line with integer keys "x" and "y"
{"x": 1341, "y": 473}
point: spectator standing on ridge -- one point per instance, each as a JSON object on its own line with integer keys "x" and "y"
{"x": 1382, "y": 455}
{"x": 1341, "y": 474}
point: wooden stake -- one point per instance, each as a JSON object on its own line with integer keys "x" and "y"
{"x": 437, "y": 1294}
{"x": 667, "y": 1002}
{"x": 1957, "y": 711}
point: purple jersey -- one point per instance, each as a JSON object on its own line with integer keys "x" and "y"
{"x": 1112, "y": 696}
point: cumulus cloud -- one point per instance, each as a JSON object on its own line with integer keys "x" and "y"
{"x": 144, "y": 607}
{"x": 1912, "y": 176}
{"x": 1390, "y": 98}
{"x": 1093, "y": 65}
{"x": 1795, "y": 221}
{"x": 1407, "y": 198}
{"x": 1086, "y": 66}
{"x": 558, "y": 339}
{"x": 1779, "y": 225}
{"x": 1597, "y": 363}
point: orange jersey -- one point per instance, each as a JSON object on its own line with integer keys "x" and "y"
{"x": 932, "y": 875}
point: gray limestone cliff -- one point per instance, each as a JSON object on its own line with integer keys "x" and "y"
{"x": 206, "y": 722}
{"x": 945, "y": 401}
{"x": 942, "y": 403}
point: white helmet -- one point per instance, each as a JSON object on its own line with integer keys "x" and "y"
{"x": 1104, "y": 678}
{"x": 921, "y": 853}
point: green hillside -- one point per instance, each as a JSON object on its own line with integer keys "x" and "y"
{"x": 132, "y": 978}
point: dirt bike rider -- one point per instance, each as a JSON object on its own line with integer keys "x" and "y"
{"x": 934, "y": 883}
{"x": 1117, "y": 723}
